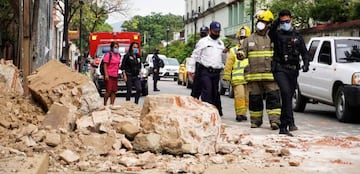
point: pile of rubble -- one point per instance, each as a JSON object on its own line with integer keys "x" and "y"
{"x": 169, "y": 134}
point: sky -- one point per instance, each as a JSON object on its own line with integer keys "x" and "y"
{"x": 145, "y": 7}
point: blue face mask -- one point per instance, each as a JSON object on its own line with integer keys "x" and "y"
{"x": 135, "y": 51}
{"x": 116, "y": 50}
{"x": 285, "y": 26}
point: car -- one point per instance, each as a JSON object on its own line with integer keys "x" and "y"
{"x": 170, "y": 70}
{"x": 186, "y": 72}
{"x": 333, "y": 77}
{"x": 98, "y": 79}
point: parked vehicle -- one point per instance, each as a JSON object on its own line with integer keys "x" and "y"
{"x": 101, "y": 40}
{"x": 186, "y": 72}
{"x": 171, "y": 68}
{"x": 333, "y": 77}
{"x": 149, "y": 61}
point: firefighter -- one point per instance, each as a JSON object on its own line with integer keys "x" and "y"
{"x": 288, "y": 46}
{"x": 196, "y": 86}
{"x": 261, "y": 85}
{"x": 234, "y": 72}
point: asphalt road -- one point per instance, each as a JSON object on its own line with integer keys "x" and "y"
{"x": 318, "y": 119}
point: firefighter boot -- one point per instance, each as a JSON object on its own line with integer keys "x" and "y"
{"x": 274, "y": 122}
{"x": 256, "y": 122}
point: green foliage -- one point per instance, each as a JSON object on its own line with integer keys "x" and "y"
{"x": 333, "y": 10}
{"x": 153, "y": 28}
{"x": 300, "y": 10}
{"x": 355, "y": 10}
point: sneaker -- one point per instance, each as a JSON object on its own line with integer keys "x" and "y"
{"x": 238, "y": 118}
{"x": 285, "y": 132}
{"x": 293, "y": 128}
{"x": 274, "y": 126}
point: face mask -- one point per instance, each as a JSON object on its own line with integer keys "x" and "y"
{"x": 260, "y": 26}
{"x": 214, "y": 36}
{"x": 285, "y": 26}
{"x": 116, "y": 50}
{"x": 202, "y": 34}
{"x": 135, "y": 51}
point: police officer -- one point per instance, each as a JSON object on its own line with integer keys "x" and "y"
{"x": 196, "y": 86}
{"x": 288, "y": 46}
{"x": 258, "y": 49}
{"x": 234, "y": 72}
{"x": 156, "y": 68}
{"x": 210, "y": 52}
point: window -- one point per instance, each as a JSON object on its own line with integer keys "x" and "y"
{"x": 313, "y": 47}
{"x": 325, "y": 53}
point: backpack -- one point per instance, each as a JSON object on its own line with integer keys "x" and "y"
{"x": 161, "y": 63}
{"x": 102, "y": 70}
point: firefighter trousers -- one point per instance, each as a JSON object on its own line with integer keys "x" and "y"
{"x": 241, "y": 99}
{"x": 268, "y": 90}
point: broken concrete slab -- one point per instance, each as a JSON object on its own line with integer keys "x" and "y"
{"x": 60, "y": 116}
{"x": 56, "y": 82}
{"x": 10, "y": 79}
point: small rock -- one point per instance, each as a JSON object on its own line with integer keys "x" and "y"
{"x": 5, "y": 123}
{"x": 284, "y": 152}
{"x": 69, "y": 156}
{"x": 294, "y": 163}
{"x": 52, "y": 139}
{"x": 270, "y": 150}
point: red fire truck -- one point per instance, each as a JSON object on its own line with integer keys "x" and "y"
{"x": 99, "y": 42}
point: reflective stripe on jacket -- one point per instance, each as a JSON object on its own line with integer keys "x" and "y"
{"x": 259, "y": 51}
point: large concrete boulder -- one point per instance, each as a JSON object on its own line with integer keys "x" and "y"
{"x": 55, "y": 82}
{"x": 184, "y": 124}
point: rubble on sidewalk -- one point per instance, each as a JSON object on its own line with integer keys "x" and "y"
{"x": 169, "y": 134}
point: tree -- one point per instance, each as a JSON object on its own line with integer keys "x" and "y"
{"x": 330, "y": 10}
{"x": 300, "y": 10}
{"x": 153, "y": 28}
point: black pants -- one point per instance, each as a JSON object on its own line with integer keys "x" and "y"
{"x": 133, "y": 81}
{"x": 210, "y": 89}
{"x": 196, "y": 86}
{"x": 155, "y": 77}
{"x": 287, "y": 81}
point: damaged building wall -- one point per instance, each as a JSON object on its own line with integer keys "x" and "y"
{"x": 42, "y": 39}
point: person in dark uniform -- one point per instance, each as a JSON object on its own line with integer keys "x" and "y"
{"x": 130, "y": 67}
{"x": 288, "y": 46}
{"x": 196, "y": 86}
{"x": 210, "y": 53}
{"x": 156, "y": 68}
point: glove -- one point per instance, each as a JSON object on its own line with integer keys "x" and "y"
{"x": 305, "y": 68}
{"x": 240, "y": 55}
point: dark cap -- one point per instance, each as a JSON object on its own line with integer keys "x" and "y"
{"x": 215, "y": 26}
{"x": 204, "y": 29}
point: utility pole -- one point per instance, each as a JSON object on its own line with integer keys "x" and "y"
{"x": 26, "y": 44}
{"x": 81, "y": 3}
{"x": 65, "y": 50}
{"x": 252, "y": 15}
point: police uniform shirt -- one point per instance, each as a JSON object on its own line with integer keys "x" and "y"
{"x": 209, "y": 53}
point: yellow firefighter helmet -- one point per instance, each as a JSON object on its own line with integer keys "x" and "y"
{"x": 264, "y": 15}
{"x": 244, "y": 31}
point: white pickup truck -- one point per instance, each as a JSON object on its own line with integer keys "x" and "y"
{"x": 333, "y": 77}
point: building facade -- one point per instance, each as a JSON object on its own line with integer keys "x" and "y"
{"x": 230, "y": 13}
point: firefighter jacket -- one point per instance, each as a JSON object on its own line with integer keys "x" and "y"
{"x": 258, "y": 49}
{"x": 234, "y": 68}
